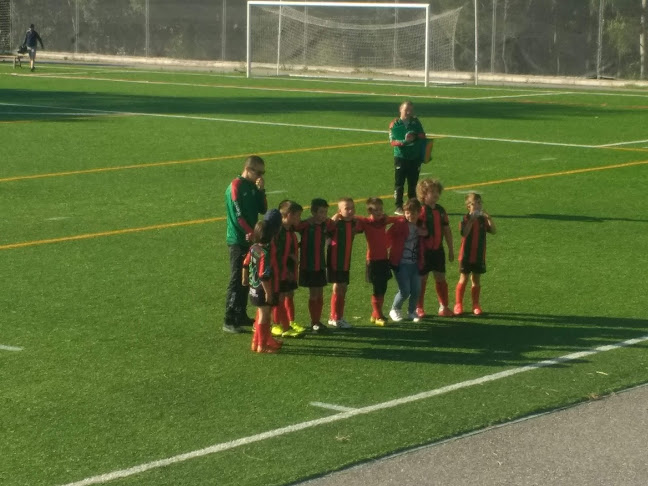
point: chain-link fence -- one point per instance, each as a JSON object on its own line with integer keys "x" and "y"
{"x": 585, "y": 38}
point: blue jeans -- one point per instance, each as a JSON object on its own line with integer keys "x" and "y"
{"x": 409, "y": 286}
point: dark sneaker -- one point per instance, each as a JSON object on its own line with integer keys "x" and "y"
{"x": 232, "y": 329}
{"x": 319, "y": 328}
{"x": 399, "y": 212}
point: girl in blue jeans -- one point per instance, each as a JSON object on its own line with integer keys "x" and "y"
{"x": 406, "y": 258}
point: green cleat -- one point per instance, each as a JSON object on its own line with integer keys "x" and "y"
{"x": 277, "y": 330}
{"x": 297, "y": 328}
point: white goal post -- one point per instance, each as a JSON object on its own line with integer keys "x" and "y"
{"x": 312, "y": 38}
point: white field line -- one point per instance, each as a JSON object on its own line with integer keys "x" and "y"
{"x": 224, "y": 446}
{"x": 316, "y": 127}
{"x": 331, "y": 406}
{"x": 623, "y": 143}
{"x": 9, "y": 348}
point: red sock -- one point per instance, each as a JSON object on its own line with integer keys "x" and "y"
{"x": 289, "y": 305}
{"x": 442, "y": 293}
{"x": 283, "y": 317}
{"x": 275, "y": 315}
{"x": 421, "y": 299}
{"x": 334, "y": 306}
{"x": 474, "y": 292}
{"x": 459, "y": 293}
{"x": 376, "y": 307}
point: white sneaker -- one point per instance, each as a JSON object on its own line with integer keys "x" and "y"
{"x": 340, "y": 324}
{"x": 398, "y": 211}
{"x": 395, "y": 315}
{"x": 414, "y": 317}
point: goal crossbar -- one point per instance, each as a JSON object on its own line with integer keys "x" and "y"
{"x": 282, "y": 3}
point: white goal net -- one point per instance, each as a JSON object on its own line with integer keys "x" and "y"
{"x": 324, "y": 38}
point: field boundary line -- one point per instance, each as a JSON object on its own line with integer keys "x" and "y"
{"x": 271, "y": 434}
{"x": 325, "y": 127}
{"x": 10, "y": 246}
{"x": 187, "y": 161}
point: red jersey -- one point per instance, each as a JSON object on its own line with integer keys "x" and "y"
{"x": 375, "y": 231}
{"x": 434, "y": 219}
{"x": 262, "y": 264}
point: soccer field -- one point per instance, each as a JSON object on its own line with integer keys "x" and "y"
{"x": 113, "y": 364}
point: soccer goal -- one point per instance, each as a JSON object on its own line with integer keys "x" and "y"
{"x": 399, "y": 40}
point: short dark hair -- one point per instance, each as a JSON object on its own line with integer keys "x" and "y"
{"x": 318, "y": 203}
{"x": 287, "y": 207}
{"x": 412, "y": 205}
{"x": 372, "y": 202}
{"x": 253, "y": 161}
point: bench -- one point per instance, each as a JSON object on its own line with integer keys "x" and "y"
{"x": 16, "y": 59}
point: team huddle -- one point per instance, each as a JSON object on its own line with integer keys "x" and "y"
{"x": 409, "y": 247}
{"x": 288, "y": 251}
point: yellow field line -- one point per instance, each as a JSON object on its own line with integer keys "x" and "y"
{"x": 188, "y": 161}
{"x": 222, "y": 218}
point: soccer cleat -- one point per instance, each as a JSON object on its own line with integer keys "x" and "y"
{"x": 445, "y": 311}
{"x": 291, "y": 333}
{"x": 319, "y": 328}
{"x": 398, "y": 211}
{"x": 395, "y": 315}
{"x": 413, "y": 316}
{"x": 420, "y": 312}
{"x": 297, "y": 328}
{"x": 267, "y": 349}
{"x": 477, "y": 310}
{"x": 277, "y": 330}
{"x": 340, "y": 324}
{"x": 458, "y": 309}
{"x": 380, "y": 321}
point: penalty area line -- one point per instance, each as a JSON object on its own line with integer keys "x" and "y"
{"x": 270, "y": 434}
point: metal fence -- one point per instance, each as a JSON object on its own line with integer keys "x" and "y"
{"x": 586, "y": 38}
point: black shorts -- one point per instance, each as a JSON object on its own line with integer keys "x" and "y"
{"x": 312, "y": 279}
{"x": 258, "y": 297}
{"x": 287, "y": 285}
{"x": 433, "y": 261}
{"x": 337, "y": 276}
{"x": 466, "y": 267}
{"x": 378, "y": 271}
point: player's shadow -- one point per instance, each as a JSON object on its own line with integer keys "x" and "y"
{"x": 220, "y": 101}
{"x": 496, "y": 339}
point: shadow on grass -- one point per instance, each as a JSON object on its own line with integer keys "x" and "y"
{"x": 569, "y": 218}
{"x": 498, "y": 339}
{"x": 217, "y": 101}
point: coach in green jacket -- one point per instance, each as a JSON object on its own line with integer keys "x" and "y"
{"x": 407, "y": 136}
{"x": 245, "y": 199}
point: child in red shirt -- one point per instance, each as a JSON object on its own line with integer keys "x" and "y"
{"x": 378, "y": 269}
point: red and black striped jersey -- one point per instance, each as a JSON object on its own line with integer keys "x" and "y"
{"x": 312, "y": 245}
{"x": 434, "y": 220}
{"x": 341, "y": 244}
{"x": 473, "y": 245}
{"x": 287, "y": 253}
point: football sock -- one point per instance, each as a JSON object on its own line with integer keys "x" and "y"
{"x": 459, "y": 293}
{"x": 334, "y": 306}
{"x": 377, "y": 305}
{"x": 442, "y": 293}
{"x": 315, "y": 307}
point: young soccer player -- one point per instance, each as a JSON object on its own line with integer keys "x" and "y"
{"x": 435, "y": 219}
{"x": 338, "y": 262}
{"x": 312, "y": 262}
{"x": 287, "y": 248}
{"x": 378, "y": 269}
{"x": 406, "y": 258}
{"x": 260, "y": 273}
{"x": 472, "y": 255}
